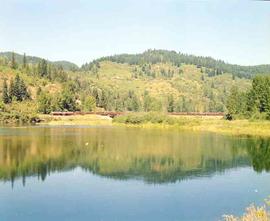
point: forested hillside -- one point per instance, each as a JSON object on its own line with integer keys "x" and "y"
{"x": 20, "y": 59}
{"x": 156, "y": 80}
{"x": 215, "y": 67}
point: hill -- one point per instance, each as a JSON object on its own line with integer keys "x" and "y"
{"x": 165, "y": 56}
{"x": 155, "y": 80}
{"x": 161, "y": 86}
{"x": 66, "y": 65}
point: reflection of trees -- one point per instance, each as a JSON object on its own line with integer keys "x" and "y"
{"x": 153, "y": 156}
{"x": 146, "y": 169}
{"x": 259, "y": 151}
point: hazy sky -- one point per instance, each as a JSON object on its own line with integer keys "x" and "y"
{"x": 81, "y": 30}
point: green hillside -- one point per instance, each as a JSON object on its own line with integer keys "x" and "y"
{"x": 66, "y": 65}
{"x": 155, "y": 80}
{"x": 185, "y": 87}
{"x": 164, "y": 56}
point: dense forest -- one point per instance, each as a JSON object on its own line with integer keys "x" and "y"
{"x": 156, "y": 80}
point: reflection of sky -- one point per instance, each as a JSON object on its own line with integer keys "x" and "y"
{"x": 82, "y": 30}
{"x": 78, "y": 195}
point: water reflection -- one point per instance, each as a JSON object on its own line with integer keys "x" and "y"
{"x": 121, "y": 153}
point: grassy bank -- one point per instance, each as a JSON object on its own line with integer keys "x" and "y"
{"x": 156, "y": 120}
{"x": 196, "y": 123}
{"x": 75, "y": 120}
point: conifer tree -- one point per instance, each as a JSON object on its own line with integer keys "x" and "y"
{"x": 170, "y": 107}
{"x": 13, "y": 61}
{"x": 11, "y": 90}
{"x": 43, "y": 68}
{"x": 5, "y": 92}
{"x": 19, "y": 90}
{"x": 24, "y": 61}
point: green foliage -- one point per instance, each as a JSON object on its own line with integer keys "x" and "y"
{"x": 5, "y": 95}
{"x": 152, "y": 117}
{"x": 88, "y": 103}
{"x": 43, "y": 68}
{"x": 2, "y": 107}
{"x": 18, "y": 90}
{"x": 170, "y": 107}
{"x": 160, "y": 56}
{"x": 32, "y": 60}
{"x": 253, "y": 104}
{"x": 156, "y": 80}
{"x": 19, "y": 112}
{"x": 13, "y": 61}
{"x": 132, "y": 102}
{"x": 236, "y": 102}
{"x": 24, "y": 61}
{"x": 151, "y": 103}
{"x": 67, "y": 101}
{"x": 45, "y": 103}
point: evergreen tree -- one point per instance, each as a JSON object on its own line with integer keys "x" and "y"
{"x": 19, "y": 89}
{"x": 170, "y": 107}
{"x": 24, "y": 61}
{"x": 23, "y": 91}
{"x": 202, "y": 77}
{"x": 146, "y": 101}
{"x": 184, "y": 105}
{"x": 5, "y": 95}
{"x": 11, "y": 90}
{"x": 13, "y": 61}
{"x": 135, "y": 103}
{"x": 43, "y": 68}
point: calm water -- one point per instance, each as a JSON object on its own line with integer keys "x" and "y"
{"x": 101, "y": 174}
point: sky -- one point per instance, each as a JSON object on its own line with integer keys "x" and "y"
{"x": 82, "y": 30}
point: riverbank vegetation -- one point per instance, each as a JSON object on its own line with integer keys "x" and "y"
{"x": 196, "y": 123}
{"x": 18, "y": 113}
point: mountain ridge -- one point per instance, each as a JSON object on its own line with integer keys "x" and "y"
{"x": 153, "y": 56}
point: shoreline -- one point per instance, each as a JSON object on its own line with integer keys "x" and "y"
{"x": 188, "y": 123}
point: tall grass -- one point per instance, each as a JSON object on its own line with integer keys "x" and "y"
{"x": 253, "y": 213}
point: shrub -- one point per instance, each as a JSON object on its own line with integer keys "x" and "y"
{"x": 19, "y": 112}
{"x": 152, "y": 117}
